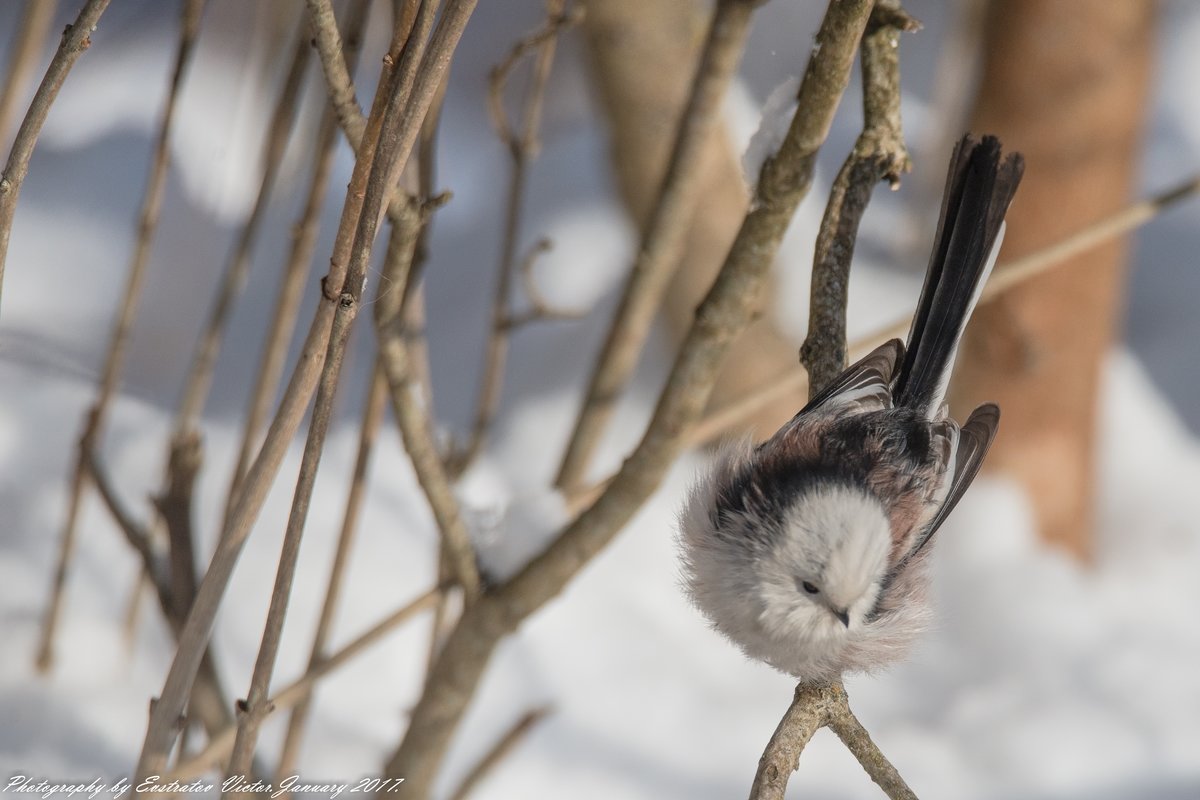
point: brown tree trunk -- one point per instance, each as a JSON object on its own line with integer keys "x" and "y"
{"x": 644, "y": 55}
{"x": 1066, "y": 83}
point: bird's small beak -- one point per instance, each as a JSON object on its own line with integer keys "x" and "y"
{"x": 843, "y": 615}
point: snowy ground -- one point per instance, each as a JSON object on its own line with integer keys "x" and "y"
{"x": 1043, "y": 679}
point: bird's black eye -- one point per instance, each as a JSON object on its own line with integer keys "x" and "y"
{"x": 810, "y": 588}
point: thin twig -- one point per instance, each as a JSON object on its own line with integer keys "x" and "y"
{"x": 417, "y": 15}
{"x": 304, "y": 240}
{"x": 878, "y": 154}
{"x": 220, "y": 745}
{"x": 24, "y": 51}
{"x": 76, "y": 38}
{"x": 412, "y": 314}
{"x": 154, "y": 561}
{"x": 1005, "y": 277}
{"x": 406, "y": 396}
{"x": 255, "y": 707}
{"x": 733, "y": 301}
{"x": 540, "y": 309}
{"x": 119, "y": 339}
{"x": 663, "y": 239}
{"x": 808, "y": 713}
{"x": 175, "y": 508}
{"x": 193, "y": 639}
{"x": 847, "y": 727}
{"x": 522, "y": 144}
{"x": 209, "y": 702}
{"x": 347, "y": 271}
{"x": 372, "y": 418}
{"x": 416, "y": 430}
{"x": 407, "y": 99}
{"x": 200, "y": 373}
{"x": 401, "y": 247}
{"x": 503, "y": 746}
{"x": 339, "y": 80}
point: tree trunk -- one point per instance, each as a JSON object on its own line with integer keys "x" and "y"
{"x": 1066, "y": 83}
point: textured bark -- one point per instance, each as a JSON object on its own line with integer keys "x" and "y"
{"x": 1066, "y": 84}
{"x": 637, "y": 49}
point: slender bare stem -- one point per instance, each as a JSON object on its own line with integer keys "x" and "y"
{"x": 503, "y": 746}
{"x": 343, "y": 285}
{"x": 416, "y": 429}
{"x": 878, "y": 154}
{"x": 539, "y": 308}
{"x": 808, "y": 713}
{"x": 401, "y": 247}
{"x": 847, "y": 727}
{"x": 76, "y": 38}
{"x": 175, "y": 508}
{"x": 208, "y": 703}
{"x": 153, "y": 559}
{"x": 522, "y": 144}
{"x": 733, "y": 301}
{"x": 193, "y": 639}
{"x": 24, "y": 52}
{"x": 219, "y": 746}
{"x": 339, "y": 80}
{"x": 378, "y": 187}
{"x": 664, "y": 237}
{"x": 304, "y": 240}
{"x": 199, "y": 378}
{"x": 410, "y": 93}
{"x": 118, "y": 341}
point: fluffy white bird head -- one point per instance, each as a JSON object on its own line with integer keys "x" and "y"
{"x": 823, "y": 575}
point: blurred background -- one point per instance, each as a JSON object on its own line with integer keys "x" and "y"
{"x": 1065, "y": 659}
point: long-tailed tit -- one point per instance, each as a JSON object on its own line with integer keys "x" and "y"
{"x": 808, "y": 551}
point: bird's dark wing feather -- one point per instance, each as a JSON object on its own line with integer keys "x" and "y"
{"x": 973, "y": 442}
{"x": 867, "y": 383}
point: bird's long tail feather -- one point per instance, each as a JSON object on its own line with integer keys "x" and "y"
{"x": 979, "y": 187}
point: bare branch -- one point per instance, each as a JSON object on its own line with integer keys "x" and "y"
{"x": 522, "y": 144}
{"x": 131, "y": 298}
{"x": 878, "y": 154}
{"x": 26, "y": 48}
{"x": 175, "y": 507}
{"x": 847, "y": 727}
{"x": 348, "y": 270}
{"x": 208, "y": 703}
{"x": 732, "y": 302}
{"x": 153, "y": 559}
{"x": 416, "y": 429}
{"x": 339, "y": 80}
{"x": 520, "y": 729}
{"x": 199, "y": 377}
{"x": 540, "y": 309}
{"x": 388, "y": 297}
{"x": 808, "y": 713}
{"x": 372, "y": 417}
{"x": 304, "y": 240}
{"x": 76, "y": 38}
{"x": 383, "y": 173}
{"x": 220, "y": 745}
{"x": 664, "y": 237}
